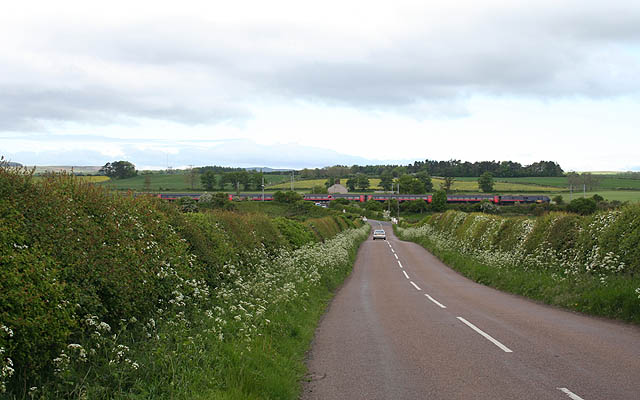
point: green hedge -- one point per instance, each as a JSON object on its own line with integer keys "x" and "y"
{"x": 74, "y": 257}
{"x": 589, "y": 263}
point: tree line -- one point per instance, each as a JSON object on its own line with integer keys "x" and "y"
{"x": 455, "y": 168}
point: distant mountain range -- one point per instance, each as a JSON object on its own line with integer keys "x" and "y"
{"x": 11, "y": 164}
{"x": 267, "y": 169}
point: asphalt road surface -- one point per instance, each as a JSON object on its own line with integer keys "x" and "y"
{"x": 405, "y": 326}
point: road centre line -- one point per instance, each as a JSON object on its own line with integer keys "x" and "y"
{"x": 396, "y": 256}
{"x": 399, "y": 263}
{"x": 392, "y": 250}
{"x": 486, "y": 336}
{"x": 435, "y": 301}
{"x": 571, "y": 395}
{"x": 414, "y": 285}
{"x": 405, "y": 274}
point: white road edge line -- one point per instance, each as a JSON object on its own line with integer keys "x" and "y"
{"x": 571, "y": 395}
{"x": 415, "y": 286}
{"x": 399, "y": 263}
{"x": 435, "y": 301}
{"x": 395, "y": 255}
{"x": 486, "y": 336}
{"x": 405, "y": 274}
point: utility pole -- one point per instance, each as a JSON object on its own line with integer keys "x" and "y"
{"x": 570, "y": 193}
{"x": 292, "y": 180}
{"x": 584, "y": 190}
{"x": 262, "y": 173}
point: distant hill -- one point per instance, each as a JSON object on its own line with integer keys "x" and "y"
{"x": 78, "y": 169}
{"x": 11, "y": 164}
{"x": 267, "y": 169}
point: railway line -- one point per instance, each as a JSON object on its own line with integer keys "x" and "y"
{"x": 325, "y": 198}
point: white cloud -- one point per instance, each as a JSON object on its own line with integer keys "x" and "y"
{"x": 402, "y": 80}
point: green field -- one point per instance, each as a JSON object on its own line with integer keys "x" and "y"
{"x": 308, "y": 184}
{"x": 632, "y": 196}
{"x": 607, "y": 182}
{"x": 172, "y": 182}
{"x": 460, "y": 184}
{"x": 471, "y": 185}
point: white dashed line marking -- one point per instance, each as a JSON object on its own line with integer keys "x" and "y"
{"x": 405, "y": 274}
{"x": 435, "y": 301}
{"x": 486, "y": 336}
{"x": 571, "y": 395}
{"x": 395, "y": 255}
{"x": 415, "y": 286}
{"x": 393, "y": 251}
{"x": 399, "y": 263}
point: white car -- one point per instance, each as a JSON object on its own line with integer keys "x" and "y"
{"x": 379, "y": 234}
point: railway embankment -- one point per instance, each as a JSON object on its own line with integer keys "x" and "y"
{"x": 111, "y": 296}
{"x": 589, "y": 264}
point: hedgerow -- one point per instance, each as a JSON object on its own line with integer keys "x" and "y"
{"x": 581, "y": 254}
{"x": 95, "y": 286}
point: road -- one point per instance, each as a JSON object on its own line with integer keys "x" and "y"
{"x": 405, "y": 326}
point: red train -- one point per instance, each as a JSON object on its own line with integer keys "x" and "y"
{"x": 320, "y": 198}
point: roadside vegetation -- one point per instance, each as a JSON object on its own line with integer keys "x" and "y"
{"x": 585, "y": 263}
{"x": 104, "y": 295}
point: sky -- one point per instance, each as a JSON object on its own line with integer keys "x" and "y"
{"x": 295, "y": 84}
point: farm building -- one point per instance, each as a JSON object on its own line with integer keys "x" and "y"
{"x": 337, "y": 188}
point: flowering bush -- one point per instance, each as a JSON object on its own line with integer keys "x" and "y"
{"x": 91, "y": 282}
{"x": 566, "y": 243}
{"x": 586, "y": 252}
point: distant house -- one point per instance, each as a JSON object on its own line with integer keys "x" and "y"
{"x": 337, "y": 188}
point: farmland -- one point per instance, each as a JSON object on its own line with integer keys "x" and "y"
{"x": 460, "y": 184}
{"x": 173, "y": 182}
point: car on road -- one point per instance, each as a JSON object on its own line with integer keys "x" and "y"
{"x": 379, "y": 234}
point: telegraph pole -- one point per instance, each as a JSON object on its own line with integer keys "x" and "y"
{"x": 262, "y": 173}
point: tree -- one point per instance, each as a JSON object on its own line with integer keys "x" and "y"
{"x": 485, "y": 182}
{"x": 410, "y": 185}
{"x": 351, "y": 184}
{"x": 319, "y": 189}
{"x": 119, "y": 170}
{"x": 238, "y": 178}
{"x": 190, "y": 177}
{"x": 330, "y": 182}
{"x": 558, "y": 199}
{"x": 425, "y": 178}
{"x": 582, "y": 206}
{"x": 399, "y": 171}
{"x": 416, "y": 206}
{"x": 386, "y": 180}
{"x": 208, "y": 180}
{"x": 373, "y": 205}
{"x": 439, "y": 201}
{"x": 286, "y": 197}
{"x": 147, "y": 182}
{"x": 362, "y": 181}
{"x": 254, "y": 180}
{"x": 448, "y": 182}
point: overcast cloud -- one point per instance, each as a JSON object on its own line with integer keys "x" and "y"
{"x": 321, "y": 83}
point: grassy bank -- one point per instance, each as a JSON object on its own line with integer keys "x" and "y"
{"x": 109, "y": 296}
{"x": 588, "y": 264}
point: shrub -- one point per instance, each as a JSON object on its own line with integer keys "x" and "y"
{"x": 208, "y": 201}
{"x": 582, "y": 206}
{"x": 287, "y": 197}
